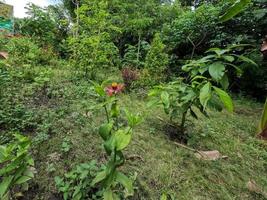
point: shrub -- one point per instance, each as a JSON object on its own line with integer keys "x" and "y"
{"x": 201, "y": 88}
{"x": 196, "y": 26}
{"x": 135, "y": 58}
{"x": 129, "y": 76}
{"x": 92, "y": 53}
{"x": 16, "y": 166}
{"x": 23, "y": 51}
{"x": 156, "y": 60}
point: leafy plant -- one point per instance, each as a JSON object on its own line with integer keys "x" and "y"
{"x": 156, "y": 60}
{"x": 76, "y": 184}
{"x": 201, "y": 89}
{"x": 66, "y": 145}
{"x": 16, "y": 166}
{"x": 116, "y": 136}
{"x": 134, "y": 59}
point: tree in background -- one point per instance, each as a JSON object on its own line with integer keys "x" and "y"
{"x": 48, "y": 26}
{"x": 93, "y": 49}
{"x": 156, "y": 60}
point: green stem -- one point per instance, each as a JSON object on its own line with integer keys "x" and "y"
{"x": 106, "y": 111}
{"x": 183, "y": 122}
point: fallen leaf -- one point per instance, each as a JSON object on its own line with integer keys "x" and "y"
{"x": 209, "y": 155}
{"x": 3, "y": 55}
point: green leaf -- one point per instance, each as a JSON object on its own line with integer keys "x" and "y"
{"x": 126, "y": 182}
{"x": 164, "y": 197}
{"x": 115, "y": 111}
{"x": 248, "y": 60}
{"x": 229, "y": 58}
{"x": 3, "y": 153}
{"x": 108, "y": 195}
{"x": 109, "y": 145}
{"x": 165, "y": 98}
{"x": 133, "y": 119}
{"x": 122, "y": 139}
{"x": 23, "y": 179}
{"x": 235, "y": 9}
{"x": 99, "y": 90}
{"x": 99, "y": 177}
{"x": 224, "y": 82}
{"x": 104, "y": 130}
{"x": 205, "y": 94}
{"x": 225, "y": 98}
{"x": 217, "y": 70}
{"x": 4, "y": 185}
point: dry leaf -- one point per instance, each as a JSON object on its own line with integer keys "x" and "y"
{"x": 209, "y": 155}
{"x": 3, "y": 55}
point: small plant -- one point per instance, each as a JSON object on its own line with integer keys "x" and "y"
{"x": 201, "y": 88}
{"x": 129, "y": 76}
{"x": 116, "y": 136}
{"x": 76, "y": 184}
{"x": 16, "y": 166}
{"x": 66, "y": 145}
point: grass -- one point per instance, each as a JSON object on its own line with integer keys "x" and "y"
{"x": 162, "y": 166}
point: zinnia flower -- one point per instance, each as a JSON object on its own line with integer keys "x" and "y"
{"x": 114, "y": 88}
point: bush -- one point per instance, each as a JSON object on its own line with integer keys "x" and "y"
{"x": 129, "y": 76}
{"x": 196, "y": 26}
{"x": 90, "y": 54}
{"x": 156, "y": 60}
{"x": 23, "y": 51}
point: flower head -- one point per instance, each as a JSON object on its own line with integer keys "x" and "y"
{"x": 114, "y": 88}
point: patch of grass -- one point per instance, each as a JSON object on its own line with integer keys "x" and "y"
{"x": 161, "y": 165}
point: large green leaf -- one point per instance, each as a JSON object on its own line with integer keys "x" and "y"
{"x": 4, "y": 185}
{"x": 224, "y": 82}
{"x": 235, "y": 9}
{"x": 205, "y": 94}
{"x": 126, "y": 182}
{"x": 225, "y": 98}
{"x": 122, "y": 139}
{"x": 248, "y": 60}
{"x": 99, "y": 177}
{"x": 108, "y": 195}
{"x": 104, "y": 130}
{"x": 263, "y": 122}
{"x": 165, "y": 98}
{"x": 217, "y": 70}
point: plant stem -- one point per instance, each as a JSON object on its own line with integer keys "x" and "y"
{"x": 183, "y": 122}
{"x": 106, "y": 111}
